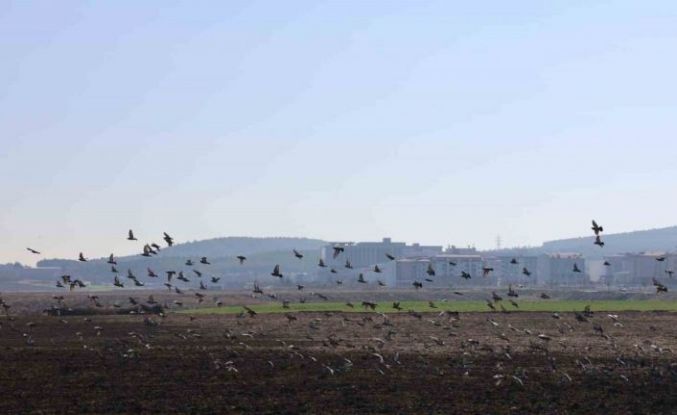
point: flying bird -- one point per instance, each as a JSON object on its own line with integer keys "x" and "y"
{"x": 430, "y": 271}
{"x": 189, "y": 263}
{"x": 377, "y": 269}
{"x": 338, "y": 250}
{"x": 111, "y": 260}
{"x": 82, "y": 258}
{"x": 596, "y": 228}
{"x": 360, "y": 279}
{"x": 486, "y": 271}
{"x": 417, "y": 284}
{"x": 390, "y": 257}
{"x": 526, "y": 272}
{"x": 598, "y": 241}
{"x": 321, "y": 264}
{"x": 513, "y": 261}
{"x": 33, "y": 251}
{"x": 276, "y": 272}
{"x": 348, "y": 264}
{"x": 576, "y": 269}
{"x": 168, "y": 239}
{"x": 297, "y": 254}
{"x": 203, "y": 260}
{"x": 130, "y": 236}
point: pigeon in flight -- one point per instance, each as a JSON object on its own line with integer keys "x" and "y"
{"x": 486, "y": 271}
{"x": 417, "y": 284}
{"x": 276, "y": 272}
{"x": 33, "y": 251}
{"x": 377, "y": 269}
{"x": 297, "y": 254}
{"x": 360, "y": 279}
{"x": 82, "y": 258}
{"x": 130, "y": 236}
{"x": 241, "y": 258}
{"x": 338, "y": 250}
{"x": 513, "y": 261}
{"x": 465, "y": 275}
{"x": 526, "y": 272}
{"x": 348, "y": 264}
{"x": 430, "y": 271}
{"x": 660, "y": 258}
{"x": 203, "y": 260}
{"x": 189, "y": 263}
{"x": 576, "y": 269}
{"x": 111, "y": 260}
{"x": 321, "y": 264}
{"x": 168, "y": 239}
{"x": 598, "y": 241}
{"x": 390, "y": 257}
{"x": 596, "y": 228}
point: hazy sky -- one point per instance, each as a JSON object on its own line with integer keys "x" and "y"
{"x": 438, "y": 122}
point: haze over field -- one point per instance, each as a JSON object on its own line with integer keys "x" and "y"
{"x": 438, "y": 122}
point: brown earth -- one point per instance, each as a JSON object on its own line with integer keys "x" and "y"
{"x": 488, "y": 363}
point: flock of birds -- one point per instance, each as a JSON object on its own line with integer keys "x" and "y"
{"x": 174, "y": 276}
{"x": 446, "y": 321}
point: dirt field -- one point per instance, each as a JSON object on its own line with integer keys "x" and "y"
{"x": 340, "y": 363}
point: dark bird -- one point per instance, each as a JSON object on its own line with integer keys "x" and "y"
{"x": 113, "y": 269}
{"x": 669, "y": 272}
{"x": 338, "y": 250}
{"x": 130, "y": 274}
{"x": 526, "y": 272}
{"x": 111, "y": 260}
{"x": 348, "y": 264}
{"x": 429, "y": 279}
{"x": 170, "y": 275}
{"x": 130, "y": 236}
{"x": 189, "y": 263}
{"x": 138, "y": 283}
{"x": 322, "y": 296}
{"x": 596, "y": 228}
{"x": 202, "y": 286}
{"x": 33, "y": 251}
{"x": 203, "y": 260}
{"x": 381, "y": 283}
{"x": 297, "y": 254}
{"x": 299, "y": 287}
{"x": 339, "y": 282}
{"x": 168, "y": 239}
{"x": 59, "y": 284}
{"x": 367, "y": 304}
{"x": 545, "y": 296}
{"x": 453, "y": 264}
{"x": 147, "y": 250}
{"x": 660, "y": 258}
{"x": 215, "y": 280}
{"x": 333, "y": 271}
{"x": 360, "y": 279}
{"x": 513, "y": 261}
{"x": 417, "y": 284}
{"x": 390, "y": 257}
{"x": 598, "y": 241}
{"x": 377, "y": 269}
{"x": 321, "y": 264}
{"x": 496, "y": 297}
{"x": 181, "y": 277}
{"x": 156, "y": 247}
{"x": 430, "y": 271}
{"x": 276, "y": 272}
{"x": 660, "y": 288}
{"x": 241, "y": 258}
{"x": 198, "y": 273}
{"x": 77, "y": 283}
{"x": 511, "y": 292}
{"x": 607, "y": 264}
{"x": 396, "y": 306}
{"x": 576, "y": 269}
{"x": 257, "y": 289}
{"x": 249, "y": 311}
{"x": 465, "y": 275}
{"x": 486, "y": 271}
{"x": 151, "y": 273}
{"x": 82, "y": 258}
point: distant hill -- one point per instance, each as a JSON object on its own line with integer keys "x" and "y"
{"x": 661, "y": 239}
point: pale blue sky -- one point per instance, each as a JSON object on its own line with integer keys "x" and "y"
{"x": 439, "y": 122}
